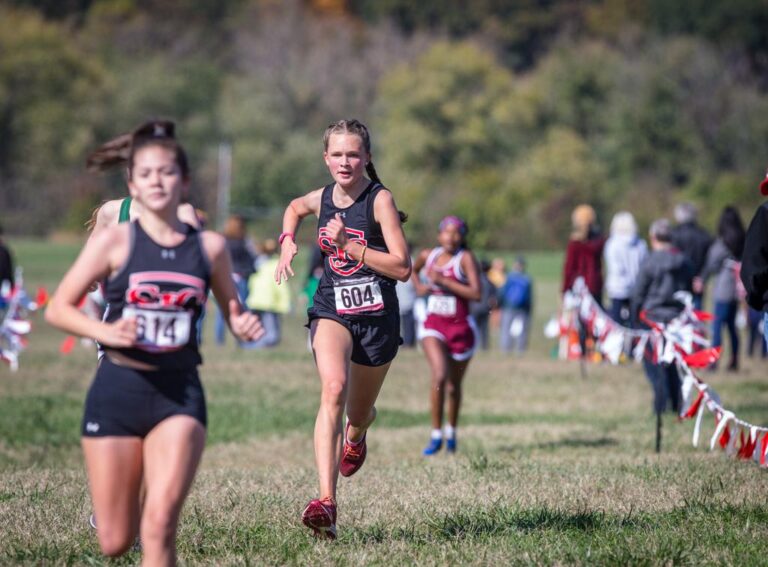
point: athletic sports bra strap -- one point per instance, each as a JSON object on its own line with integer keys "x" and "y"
{"x": 125, "y": 210}
{"x": 433, "y": 254}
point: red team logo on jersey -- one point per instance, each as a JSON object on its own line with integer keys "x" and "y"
{"x": 340, "y": 261}
{"x": 143, "y": 290}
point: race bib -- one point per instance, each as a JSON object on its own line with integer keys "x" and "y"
{"x": 159, "y": 331}
{"x": 444, "y": 305}
{"x": 358, "y": 297}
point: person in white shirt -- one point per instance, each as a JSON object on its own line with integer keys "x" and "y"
{"x": 624, "y": 252}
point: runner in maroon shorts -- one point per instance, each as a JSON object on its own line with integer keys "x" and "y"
{"x": 448, "y": 337}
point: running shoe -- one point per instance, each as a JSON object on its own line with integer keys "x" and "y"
{"x": 320, "y": 517}
{"x": 434, "y": 446}
{"x": 450, "y": 445}
{"x": 353, "y": 455}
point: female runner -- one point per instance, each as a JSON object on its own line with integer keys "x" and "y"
{"x": 145, "y": 413}
{"x": 354, "y": 322}
{"x": 111, "y": 155}
{"x": 449, "y": 335}
{"x": 115, "y": 153}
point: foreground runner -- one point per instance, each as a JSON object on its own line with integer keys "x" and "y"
{"x": 112, "y": 155}
{"x": 145, "y": 413}
{"x": 354, "y": 322}
{"x": 449, "y": 336}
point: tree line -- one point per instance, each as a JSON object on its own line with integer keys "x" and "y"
{"x": 508, "y": 113}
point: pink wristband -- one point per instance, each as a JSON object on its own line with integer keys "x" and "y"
{"x": 283, "y": 236}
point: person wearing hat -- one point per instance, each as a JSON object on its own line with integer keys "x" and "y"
{"x": 584, "y": 254}
{"x": 754, "y": 262}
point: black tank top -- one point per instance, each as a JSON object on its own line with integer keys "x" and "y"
{"x": 165, "y": 289}
{"x": 348, "y": 287}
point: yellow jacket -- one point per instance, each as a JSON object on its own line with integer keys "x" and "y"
{"x": 264, "y": 294}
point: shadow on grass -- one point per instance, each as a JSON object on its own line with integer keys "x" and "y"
{"x": 494, "y": 521}
{"x": 399, "y": 418}
{"x": 568, "y": 442}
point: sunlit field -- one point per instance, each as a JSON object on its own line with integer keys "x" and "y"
{"x": 552, "y": 467}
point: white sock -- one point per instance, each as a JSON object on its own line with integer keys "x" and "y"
{"x": 450, "y": 431}
{"x": 437, "y": 434}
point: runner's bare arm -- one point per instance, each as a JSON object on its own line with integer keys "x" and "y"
{"x": 418, "y": 264}
{"x": 101, "y": 255}
{"x": 296, "y": 210}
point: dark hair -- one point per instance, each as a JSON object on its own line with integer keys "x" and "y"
{"x": 357, "y": 128}
{"x": 120, "y": 151}
{"x": 234, "y": 227}
{"x": 731, "y": 230}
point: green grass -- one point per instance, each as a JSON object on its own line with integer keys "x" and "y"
{"x": 552, "y": 468}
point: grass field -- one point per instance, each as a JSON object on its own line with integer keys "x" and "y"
{"x": 552, "y": 468}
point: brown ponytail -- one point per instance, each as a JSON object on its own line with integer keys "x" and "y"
{"x": 119, "y": 152}
{"x": 110, "y": 155}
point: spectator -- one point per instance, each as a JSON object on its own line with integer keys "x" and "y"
{"x": 481, "y": 310}
{"x": 665, "y": 271}
{"x": 497, "y": 273}
{"x": 242, "y": 265}
{"x": 624, "y": 252}
{"x": 754, "y": 263}
{"x": 584, "y": 254}
{"x": 268, "y": 300}
{"x": 724, "y": 261}
{"x": 516, "y": 301}
{"x": 691, "y": 240}
{"x": 6, "y": 264}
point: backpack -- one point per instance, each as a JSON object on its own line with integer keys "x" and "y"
{"x": 517, "y": 292}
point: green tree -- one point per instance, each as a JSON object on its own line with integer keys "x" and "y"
{"x": 450, "y": 128}
{"x": 47, "y": 111}
{"x": 548, "y": 182}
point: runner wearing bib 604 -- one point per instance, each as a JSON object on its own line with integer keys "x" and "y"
{"x": 350, "y": 292}
{"x": 354, "y": 321}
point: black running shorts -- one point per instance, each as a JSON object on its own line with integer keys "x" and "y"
{"x": 375, "y": 340}
{"x": 127, "y": 402}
